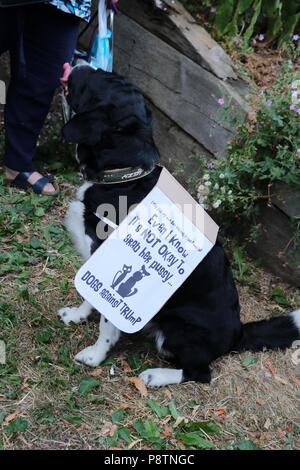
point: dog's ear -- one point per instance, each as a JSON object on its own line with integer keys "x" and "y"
{"x": 83, "y": 128}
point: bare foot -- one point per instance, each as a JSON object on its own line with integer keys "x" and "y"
{"x": 33, "y": 178}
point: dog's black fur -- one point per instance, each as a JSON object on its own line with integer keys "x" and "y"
{"x": 201, "y": 321}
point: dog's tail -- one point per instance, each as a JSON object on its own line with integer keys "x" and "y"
{"x": 276, "y": 333}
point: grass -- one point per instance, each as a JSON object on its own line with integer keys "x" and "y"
{"x": 47, "y": 401}
{"x": 50, "y": 402}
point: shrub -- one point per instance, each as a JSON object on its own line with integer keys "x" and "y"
{"x": 266, "y": 149}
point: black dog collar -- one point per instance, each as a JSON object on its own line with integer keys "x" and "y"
{"x": 122, "y": 175}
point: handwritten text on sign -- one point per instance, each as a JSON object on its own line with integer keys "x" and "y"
{"x": 143, "y": 262}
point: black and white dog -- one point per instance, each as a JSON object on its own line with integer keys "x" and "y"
{"x": 201, "y": 321}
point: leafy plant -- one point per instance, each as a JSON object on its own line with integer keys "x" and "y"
{"x": 265, "y": 150}
{"x": 87, "y": 384}
{"x": 240, "y": 17}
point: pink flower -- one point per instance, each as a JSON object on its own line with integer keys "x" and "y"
{"x": 210, "y": 166}
{"x": 295, "y": 37}
{"x": 236, "y": 40}
{"x": 298, "y": 111}
{"x": 254, "y": 41}
{"x": 213, "y": 10}
{"x": 292, "y": 107}
{"x": 269, "y": 103}
{"x": 294, "y": 94}
{"x": 261, "y": 93}
{"x": 221, "y": 101}
{"x": 261, "y": 37}
{"x": 298, "y": 150}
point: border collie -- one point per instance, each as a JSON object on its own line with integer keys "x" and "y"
{"x": 201, "y": 321}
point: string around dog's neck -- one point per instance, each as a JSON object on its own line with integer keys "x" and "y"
{"x": 122, "y": 175}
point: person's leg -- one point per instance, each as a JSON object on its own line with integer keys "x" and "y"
{"x": 7, "y": 29}
{"x": 49, "y": 41}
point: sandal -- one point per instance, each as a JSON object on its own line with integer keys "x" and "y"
{"x": 21, "y": 181}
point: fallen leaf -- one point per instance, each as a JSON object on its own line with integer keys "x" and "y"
{"x": 280, "y": 380}
{"x": 297, "y": 381}
{"x": 280, "y": 432}
{"x": 195, "y": 409}
{"x": 25, "y": 384}
{"x": 71, "y": 294}
{"x": 126, "y": 367}
{"x": 221, "y": 411}
{"x": 166, "y": 419}
{"x": 108, "y": 429}
{"x": 167, "y": 431}
{"x": 124, "y": 406}
{"x": 168, "y": 394}
{"x": 132, "y": 444}
{"x": 12, "y": 416}
{"x": 140, "y": 385}
{"x": 260, "y": 401}
{"x": 269, "y": 365}
{"x": 238, "y": 391}
{"x": 181, "y": 445}
{"x": 96, "y": 373}
{"x": 267, "y": 424}
{"x": 126, "y": 395}
{"x": 178, "y": 421}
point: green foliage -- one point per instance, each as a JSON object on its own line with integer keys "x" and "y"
{"x": 247, "y": 445}
{"x": 241, "y": 17}
{"x": 194, "y": 439}
{"x": 265, "y": 150}
{"x": 17, "y": 425}
{"x": 87, "y": 384}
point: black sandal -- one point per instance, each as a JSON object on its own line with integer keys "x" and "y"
{"x": 21, "y": 181}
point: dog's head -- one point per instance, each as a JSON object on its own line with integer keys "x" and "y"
{"x": 111, "y": 123}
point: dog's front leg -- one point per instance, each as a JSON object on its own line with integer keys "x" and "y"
{"x": 93, "y": 355}
{"x": 75, "y": 314}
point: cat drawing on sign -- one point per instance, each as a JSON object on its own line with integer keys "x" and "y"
{"x": 120, "y": 275}
{"x": 127, "y": 289}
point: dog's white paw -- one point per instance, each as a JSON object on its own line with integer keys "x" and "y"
{"x": 160, "y": 377}
{"x": 90, "y": 356}
{"x": 69, "y": 314}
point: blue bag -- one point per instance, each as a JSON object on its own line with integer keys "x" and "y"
{"x": 101, "y": 52}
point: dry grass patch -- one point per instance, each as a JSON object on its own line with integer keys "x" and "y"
{"x": 49, "y": 402}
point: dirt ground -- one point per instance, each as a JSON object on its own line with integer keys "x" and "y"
{"x": 49, "y": 402}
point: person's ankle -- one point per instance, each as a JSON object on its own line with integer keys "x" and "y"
{"x": 11, "y": 174}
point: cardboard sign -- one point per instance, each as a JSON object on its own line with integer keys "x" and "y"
{"x": 146, "y": 259}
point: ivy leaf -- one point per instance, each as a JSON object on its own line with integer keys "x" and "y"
{"x": 39, "y": 212}
{"x": 247, "y": 445}
{"x": 173, "y": 410}
{"x": 73, "y": 419}
{"x": 194, "y": 439}
{"x": 247, "y": 361}
{"x": 117, "y": 416}
{"x": 125, "y": 435}
{"x": 35, "y": 243}
{"x": 161, "y": 412}
{"x": 87, "y": 385}
{"x": 18, "y": 425}
{"x": 2, "y": 416}
{"x": 206, "y": 426}
{"x": 279, "y": 297}
{"x": 149, "y": 431}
